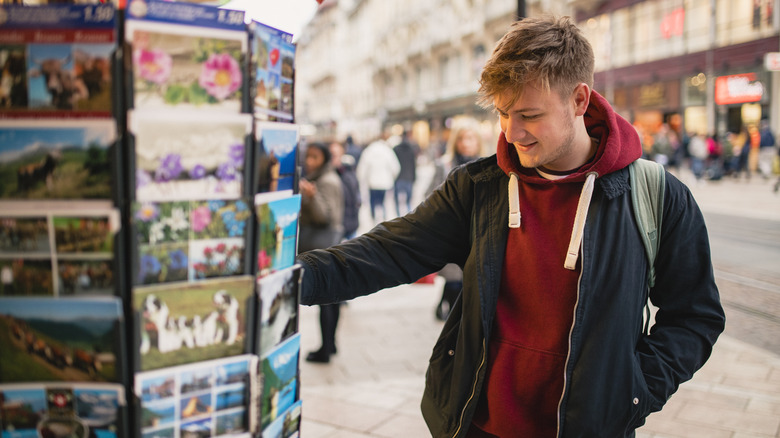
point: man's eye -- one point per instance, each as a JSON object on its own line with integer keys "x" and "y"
{"x": 530, "y": 117}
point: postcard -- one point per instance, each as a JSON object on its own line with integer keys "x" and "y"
{"x": 274, "y": 60}
{"x": 62, "y": 409}
{"x": 189, "y": 158}
{"x": 277, "y": 236}
{"x": 57, "y": 159}
{"x": 64, "y": 339}
{"x": 181, "y": 323}
{"x": 278, "y": 314}
{"x": 286, "y": 425}
{"x": 57, "y": 247}
{"x": 280, "y": 379}
{"x": 26, "y": 276}
{"x": 187, "y": 67}
{"x": 63, "y": 67}
{"x": 209, "y": 398}
{"x": 276, "y": 156}
{"x": 190, "y": 240}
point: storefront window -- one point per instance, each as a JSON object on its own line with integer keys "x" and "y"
{"x": 697, "y": 25}
{"x": 642, "y": 21}
{"x": 622, "y": 38}
{"x": 739, "y": 21}
{"x": 597, "y": 30}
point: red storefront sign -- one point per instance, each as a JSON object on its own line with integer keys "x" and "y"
{"x": 740, "y": 88}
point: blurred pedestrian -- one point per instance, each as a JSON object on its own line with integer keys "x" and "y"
{"x": 464, "y": 145}
{"x": 766, "y": 149}
{"x": 344, "y": 165}
{"x": 406, "y": 151}
{"x": 321, "y": 219}
{"x": 547, "y": 338}
{"x": 353, "y": 149}
{"x": 377, "y": 170}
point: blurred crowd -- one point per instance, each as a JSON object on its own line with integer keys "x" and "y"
{"x": 753, "y": 151}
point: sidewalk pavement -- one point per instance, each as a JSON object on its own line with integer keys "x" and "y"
{"x": 373, "y": 386}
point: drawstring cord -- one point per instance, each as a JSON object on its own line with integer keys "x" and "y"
{"x": 579, "y": 219}
{"x": 514, "y": 201}
{"x": 579, "y": 222}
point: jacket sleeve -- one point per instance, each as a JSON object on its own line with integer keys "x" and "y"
{"x": 395, "y": 252}
{"x": 690, "y": 316}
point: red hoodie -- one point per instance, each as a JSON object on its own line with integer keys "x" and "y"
{"x": 529, "y": 343}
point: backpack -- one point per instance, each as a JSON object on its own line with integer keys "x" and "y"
{"x": 648, "y": 182}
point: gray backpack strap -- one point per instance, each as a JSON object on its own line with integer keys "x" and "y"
{"x": 648, "y": 182}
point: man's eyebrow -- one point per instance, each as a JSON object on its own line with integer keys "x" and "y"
{"x": 518, "y": 110}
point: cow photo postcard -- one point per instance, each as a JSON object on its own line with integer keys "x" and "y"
{"x": 277, "y": 235}
{"x": 274, "y": 62}
{"x": 185, "y": 61}
{"x": 279, "y": 376}
{"x": 278, "y": 302}
{"x": 63, "y": 67}
{"x": 63, "y": 410}
{"x": 181, "y": 323}
{"x": 197, "y": 157}
{"x": 63, "y": 339}
{"x": 276, "y": 156}
{"x": 57, "y": 248}
{"x": 189, "y": 240}
{"x": 57, "y": 159}
{"x": 203, "y": 399}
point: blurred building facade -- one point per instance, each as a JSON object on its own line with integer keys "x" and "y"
{"x": 366, "y": 65}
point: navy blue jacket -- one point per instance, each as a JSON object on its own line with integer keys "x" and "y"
{"x": 615, "y": 374}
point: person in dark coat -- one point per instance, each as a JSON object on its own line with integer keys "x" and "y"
{"x": 344, "y": 165}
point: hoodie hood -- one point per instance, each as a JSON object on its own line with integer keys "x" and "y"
{"x": 619, "y": 146}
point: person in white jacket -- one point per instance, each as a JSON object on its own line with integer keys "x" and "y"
{"x": 377, "y": 169}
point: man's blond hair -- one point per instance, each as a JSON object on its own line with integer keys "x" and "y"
{"x": 549, "y": 51}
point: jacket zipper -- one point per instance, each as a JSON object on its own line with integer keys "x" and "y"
{"x": 473, "y": 391}
{"x": 571, "y": 330}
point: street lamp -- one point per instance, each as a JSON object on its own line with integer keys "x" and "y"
{"x": 520, "y": 9}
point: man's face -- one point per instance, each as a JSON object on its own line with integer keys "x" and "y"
{"x": 541, "y": 126}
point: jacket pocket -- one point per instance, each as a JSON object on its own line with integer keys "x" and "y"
{"x": 438, "y": 377}
{"x": 641, "y": 399}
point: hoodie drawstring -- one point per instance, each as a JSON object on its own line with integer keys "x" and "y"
{"x": 579, "y": 219}
{"x": 514, "y": 201}
{"x": 579, "y": 222}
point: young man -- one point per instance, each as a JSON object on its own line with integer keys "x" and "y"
{"x": 546, "y": 339}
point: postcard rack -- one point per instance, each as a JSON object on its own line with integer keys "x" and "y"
{"x": 148, "y": 223}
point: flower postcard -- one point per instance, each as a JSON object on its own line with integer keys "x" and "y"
{"x": 277, "y": 234}
{"x": 62, "y": 409}
{"x": 182, "y": 323}
{"x": 208, "y": 398}
{"x": 278, "y": 307}
{"x": 69, "y": 339}
{"x": 190, "y": 68}
{"x": 190, "y": 240}
{"x": 276, "y": 156}
{"x": 197, "y": 157}
{"x": 57, "y": 159}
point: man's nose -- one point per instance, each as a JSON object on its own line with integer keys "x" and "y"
{"x": 514, "y": 130}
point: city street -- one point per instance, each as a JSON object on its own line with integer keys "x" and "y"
{"x": 372, "y": 387}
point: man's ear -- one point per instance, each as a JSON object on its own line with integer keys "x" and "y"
{"x": 581, "y": 98}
